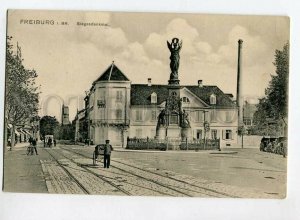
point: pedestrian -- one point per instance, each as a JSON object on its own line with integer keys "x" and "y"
{"x": 54, "y": 142}
{"x": 34, "y": 145}
{"x": 107, "y": 152}
{"x": 9, "y": 143}
{"x": 49, "y": 142}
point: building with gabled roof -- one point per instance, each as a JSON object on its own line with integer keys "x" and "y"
{"x": 117, "y": 110}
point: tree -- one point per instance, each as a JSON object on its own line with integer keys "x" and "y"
{"x": 48, "y": 126}
{"x": 273, "y": 108}
{"x": 21, "y": 92}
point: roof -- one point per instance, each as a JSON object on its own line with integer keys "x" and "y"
{"x": 205, "y": 92}
{"x": 141, "y": 94}
{"x": 112, "y": 73}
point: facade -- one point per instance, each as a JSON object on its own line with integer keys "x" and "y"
{"x": 248, "y": 116}
{"x": 65, "y": 115}
{"x": 116, "y": 109}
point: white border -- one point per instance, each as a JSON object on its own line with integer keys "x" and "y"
{"x": 39, "y": 206}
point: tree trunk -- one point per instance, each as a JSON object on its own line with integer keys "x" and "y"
{"x": 13, "y": 135}
{"x": 5, "y": 138}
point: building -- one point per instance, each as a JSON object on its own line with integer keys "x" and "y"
{"x": 116, "y": 109}
{"x": 65, "y": 115}
{"x": 248, "y": 113}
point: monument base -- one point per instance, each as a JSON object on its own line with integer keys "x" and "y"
{"x": 160, "y": 133}
{"x": 186, "y": 134}
{"x": 174, "y": 82}
{"x": 174, "y": 137}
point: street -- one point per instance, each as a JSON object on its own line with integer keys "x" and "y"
{"x": 68, "y": 169}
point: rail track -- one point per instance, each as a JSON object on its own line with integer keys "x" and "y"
{"x": 87, "y": 170}
{"x": 85, "y": 191}
{"x": 180, "y": 190}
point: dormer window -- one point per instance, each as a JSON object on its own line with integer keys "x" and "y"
{"x": 185, "y": 100}
{"x": 213, "y": 99}
{"x": 153, "y": 98}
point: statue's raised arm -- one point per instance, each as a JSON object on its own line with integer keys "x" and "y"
{"x": 169, "y": 45}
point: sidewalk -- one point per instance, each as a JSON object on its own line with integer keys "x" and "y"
{"x": 23, "y": 173}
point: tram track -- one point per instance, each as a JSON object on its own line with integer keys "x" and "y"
{"x": 133, "y": 174}
{"x": 69, "y": 174}
{"x": 204, "y": 190}
{"x": 87, "y": 170}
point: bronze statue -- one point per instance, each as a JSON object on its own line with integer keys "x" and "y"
{"x": 174, "y": 47}
{"x": 161, "y": 118}
{"x": 185, "y": 123}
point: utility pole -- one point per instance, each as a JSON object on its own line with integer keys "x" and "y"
{"x": 205, "y": 124}
{"x": 239, "y": 98}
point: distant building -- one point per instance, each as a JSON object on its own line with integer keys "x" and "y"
{"x": 116, "y": 110}
{"x": 248, "y": 113}
{"x": 65, "y": 115}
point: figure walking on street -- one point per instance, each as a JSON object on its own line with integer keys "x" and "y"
{"x": 107, "y": 152}
{"x": 49, "y": 142}
{"x": 34, "y": 146}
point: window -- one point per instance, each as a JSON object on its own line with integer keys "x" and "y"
{"x": 213, "y": 115}
{"x": 228, "y": 116}
{"x": 214, "y": 134}
{"x": 247, "y": 121}
{"x": 119, "y": 96}
{"x": 153, "y": 115}
{"x": 199, "y": 134}
{"x": 199, "y": 116}
{"x": 101, "y": 103}
{"x": 102, "y": 113}
{"x": 138, "y": 115}
{"x": 139, "y": 133}
{"x": 228, "y": 134}
{"x": 213, "y": 99}
{"x": 185, "y": 100}
{"x": 153, "y": 98}
{"x": 119, "y": 114}
{"x": 102, "y": 94}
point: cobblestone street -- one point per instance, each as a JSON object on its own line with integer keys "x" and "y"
{"x": 68, "y": 169}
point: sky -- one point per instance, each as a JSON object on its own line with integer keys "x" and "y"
{"x": 68, "y": 58}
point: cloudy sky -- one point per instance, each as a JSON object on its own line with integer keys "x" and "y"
{"x": 68, "y": 58}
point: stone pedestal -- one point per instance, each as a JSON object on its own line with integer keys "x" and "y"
{"x": 174, "y": 132}
{"x": 161, "y": 133}
{"x": 174, "y": 137}
{"x": 186, "y": 133}
{"x": 174, "y": 82}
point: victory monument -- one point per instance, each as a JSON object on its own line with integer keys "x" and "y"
{"x": 173, "y": 123}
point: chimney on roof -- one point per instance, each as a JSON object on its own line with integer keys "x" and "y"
{"x": 149, "y": 82}
{"x": 200, "y": 83}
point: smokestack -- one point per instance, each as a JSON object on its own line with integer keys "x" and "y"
{"x": 239, "y": 101}
{"x": 200, "y": 83}
{"x": 149, "y": 82}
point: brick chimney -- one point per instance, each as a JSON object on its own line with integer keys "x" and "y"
{"x": 149, "y": 82}
{"x": 239, "y": 95}
{"x": 200, "y": 83}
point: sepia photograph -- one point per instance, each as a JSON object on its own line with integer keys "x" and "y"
{"x": 146, "y": 104}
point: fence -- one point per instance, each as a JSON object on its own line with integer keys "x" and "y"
{"x": 202, "y": 144}
{"x": 145, "y": 144}
{"x": 153, "y": 144}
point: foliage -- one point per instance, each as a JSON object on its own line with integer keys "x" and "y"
{"x": 48, "y": 125}
{"x": 21, "y": 92}
{"x": 272, "y": 110}
{"x": 65, "y": 132}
